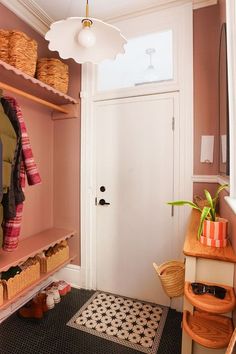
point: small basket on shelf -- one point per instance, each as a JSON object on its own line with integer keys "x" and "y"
{"x": 30, "y": 272}
{"x": 54, "y": 257}
{"x": 18, "y": 50}
{"x": 53, "y": 72}
{"x": 171, "y": 275}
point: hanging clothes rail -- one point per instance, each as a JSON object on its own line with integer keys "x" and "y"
{"x": 32, "y": 97}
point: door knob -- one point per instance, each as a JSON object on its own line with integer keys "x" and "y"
{"x": 103, "y": 202}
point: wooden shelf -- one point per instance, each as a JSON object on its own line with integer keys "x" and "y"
{"x": 192, "y": 247}
{"x": 43, "y": 277}
{"x": 210, "y": 303}
{"x": 30, "y": 246}
{"x": 15, "y": 77}
{"x": 211, "y": 331}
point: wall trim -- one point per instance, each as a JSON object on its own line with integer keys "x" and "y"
{"x": 37, "y": 18}
{"x": 210, "y": 179}
{"x": 31, "y": 13}
{"x": 197, "y": 4}
{"x": 71, "y": 274}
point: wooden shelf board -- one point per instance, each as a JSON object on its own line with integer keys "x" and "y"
{"x": 17, "y": 78}
{"x": 211, "y": 331}
{"x": 209, "y": 302}
{"x": 43, "y": 277}
{"x": 30, "y": 246}
{"x": 193, "y": 247}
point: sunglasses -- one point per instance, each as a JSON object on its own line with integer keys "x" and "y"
{"x": 200, "y": 289}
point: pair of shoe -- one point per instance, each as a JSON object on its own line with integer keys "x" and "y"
{"x": 52, "y": 297}
{"x": 62, "y": 286}
{"x": 35, "y": 308}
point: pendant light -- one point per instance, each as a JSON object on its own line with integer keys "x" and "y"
{"x": 85, "y": 39}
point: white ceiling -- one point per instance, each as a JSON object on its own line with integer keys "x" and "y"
{"x": 102, "y": 9}
{"x": 39, "y": 14}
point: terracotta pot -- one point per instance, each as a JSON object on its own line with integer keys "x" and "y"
{"x": 216, "y": 230}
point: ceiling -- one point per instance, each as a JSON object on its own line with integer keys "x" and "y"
{"x": 41, "y": 13}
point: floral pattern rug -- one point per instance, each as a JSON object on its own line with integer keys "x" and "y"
{"x": 133, "y": 323}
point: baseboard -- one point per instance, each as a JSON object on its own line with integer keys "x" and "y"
{"x": 71, "y": 274}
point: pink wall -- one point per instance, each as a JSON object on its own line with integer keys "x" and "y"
{"x": 56, "y": 150}
{"x": 205, "y": 52}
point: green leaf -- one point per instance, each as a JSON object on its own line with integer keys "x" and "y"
{"x": 223, "y": 186}
{"x": 211, "y": 204}
{"x": 205, "y": 212}
{"x": 184, "y": 202}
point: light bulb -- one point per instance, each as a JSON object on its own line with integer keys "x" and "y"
{"x": 86, "y": 37}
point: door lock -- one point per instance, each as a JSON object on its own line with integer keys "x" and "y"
{"x": 103, "y": 202}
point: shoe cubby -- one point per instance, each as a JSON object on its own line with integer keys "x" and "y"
{"x": 207, "y": 320}
{"x": 32, "y": 273}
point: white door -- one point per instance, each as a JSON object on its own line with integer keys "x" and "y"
{"x": 135, "y": 148}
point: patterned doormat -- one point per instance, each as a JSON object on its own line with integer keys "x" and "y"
{"x": 133, "y": 323}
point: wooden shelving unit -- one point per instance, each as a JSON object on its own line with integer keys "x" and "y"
{"x": 211, "y": 331}
{"x": 32, "y": 245}
{"x": 17, "y": 82}
{"x": 209, "y": 302}
{"x": 43, "y": 277}
{"x": 204, "y": 326}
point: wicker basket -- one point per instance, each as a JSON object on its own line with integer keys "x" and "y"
{"x": 53, "y": 72}
{"x": 18, "y": 50}
{"x": 22, "y": 280}
{"x": 171, "y": 275}
{"x": 60, "y": 255}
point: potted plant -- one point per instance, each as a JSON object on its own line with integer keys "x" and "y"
{"x": 212, "y": 229}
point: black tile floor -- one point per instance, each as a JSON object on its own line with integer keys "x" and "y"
{"x": 51, "y": 335}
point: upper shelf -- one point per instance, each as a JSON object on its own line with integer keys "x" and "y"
{"x": 192, "y": 247}
{"x": 27, "y": 83}
{"x": 30, "y": 246}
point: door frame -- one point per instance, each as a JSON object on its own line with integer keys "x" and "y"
{"x": 182, "y": 16}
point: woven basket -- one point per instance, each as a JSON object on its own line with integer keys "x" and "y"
{"x": 171, "y": 275}
{"x": 54, "y": 73}
{"x": 49, "y": 263}
{"x": 22, "y": 280}
{"x": 18, "y": 50}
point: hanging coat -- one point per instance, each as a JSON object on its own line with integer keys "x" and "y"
{"x": 8, "y": 139}
{"x": 15, "y": 194}
{"x": 12, "y": 226}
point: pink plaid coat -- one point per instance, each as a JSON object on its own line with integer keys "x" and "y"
{"x": 11, "y": 227}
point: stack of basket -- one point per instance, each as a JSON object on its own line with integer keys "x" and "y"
{"x": 18, "y": 50}
{"x": 54, "y": 73}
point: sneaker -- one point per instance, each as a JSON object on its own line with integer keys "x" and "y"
{"x": 62, "y": 286}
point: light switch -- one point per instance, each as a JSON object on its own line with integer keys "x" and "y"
{"x": 207, "y": 148}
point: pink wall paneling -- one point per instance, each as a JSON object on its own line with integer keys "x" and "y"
{"x": 66, "y": 177}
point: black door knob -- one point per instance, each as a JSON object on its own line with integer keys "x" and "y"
{"x": 103, "y": 202}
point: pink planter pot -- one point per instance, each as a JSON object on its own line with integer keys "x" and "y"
{"x": 216, "y": 230}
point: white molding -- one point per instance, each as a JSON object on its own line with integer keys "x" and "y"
{"x": 31, "y": 13}
{"x": 197, "y": 4}
{"x": 88, "y": 244}
{"x": 71, "y": 274}
{"x": 205, "y": 179}
{"x": 210, "y": 179}
{"x": 231, "y": 54}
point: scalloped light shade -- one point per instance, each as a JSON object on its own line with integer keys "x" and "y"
{"x": 63, "y": 37}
